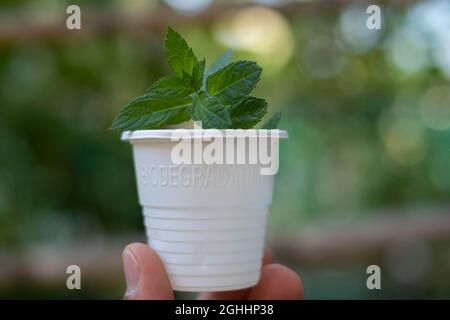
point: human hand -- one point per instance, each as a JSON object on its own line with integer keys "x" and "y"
{"x": 146, "y": 279}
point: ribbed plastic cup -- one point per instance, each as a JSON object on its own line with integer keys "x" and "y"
{"x": 206, "y": 222}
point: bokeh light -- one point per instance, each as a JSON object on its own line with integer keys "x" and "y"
{"x": 258, "y": 30}
{"x": 407, "y": 50}
{"x": 354, "y": 32}
{"x": 433, "y": 19}
{"x": 189, "y": 6}
{"x": 403, "y": 137}
{"x": 435, "y": 107}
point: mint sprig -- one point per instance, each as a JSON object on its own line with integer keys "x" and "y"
{"x": 219, "y": 63}
{"x": 218, "y": 97}
{"x": 247, "y": 112}
{"x": 211, "y": 111}
{"x": 272, "y": 123}
{"x": 234, "y": 81}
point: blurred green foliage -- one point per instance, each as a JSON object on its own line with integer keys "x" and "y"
{"x": 367, "y": 129}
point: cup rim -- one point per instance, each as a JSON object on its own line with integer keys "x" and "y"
{"x": 168, "y": 134}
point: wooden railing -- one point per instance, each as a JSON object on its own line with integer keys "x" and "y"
{"x": 338, "y": 244}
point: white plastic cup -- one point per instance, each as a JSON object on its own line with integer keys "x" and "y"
{"x": 206, "y": 222}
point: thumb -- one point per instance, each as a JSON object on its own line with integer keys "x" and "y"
{"x": 144, "y": 274}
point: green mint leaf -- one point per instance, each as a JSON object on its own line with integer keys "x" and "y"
{"x": 219, "y": 63}
{"x": 171, "y": 87}
{"x": 272, "y": 123}
{"x": 219, "y": 96}
{"x": 247, "y": 112}
{"x": 151, "y": 111}
{"x": 211, "y": 111}
{"x": 180, "y": 56}
{"x": 234, "y": 81}
{"x": 197, "y": 74}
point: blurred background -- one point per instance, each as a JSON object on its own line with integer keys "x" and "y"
{"x": 364, "y": 178}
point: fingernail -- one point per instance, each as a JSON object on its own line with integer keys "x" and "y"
{"x": 131, "y": 268}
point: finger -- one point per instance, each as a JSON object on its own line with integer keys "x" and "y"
{"x": 144, "y": 274}
{"x": 277, "y": 282}
{"x": 267, "y": 256}
{"x": 235, "y": 294}
{"x": 240, "y": 294}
